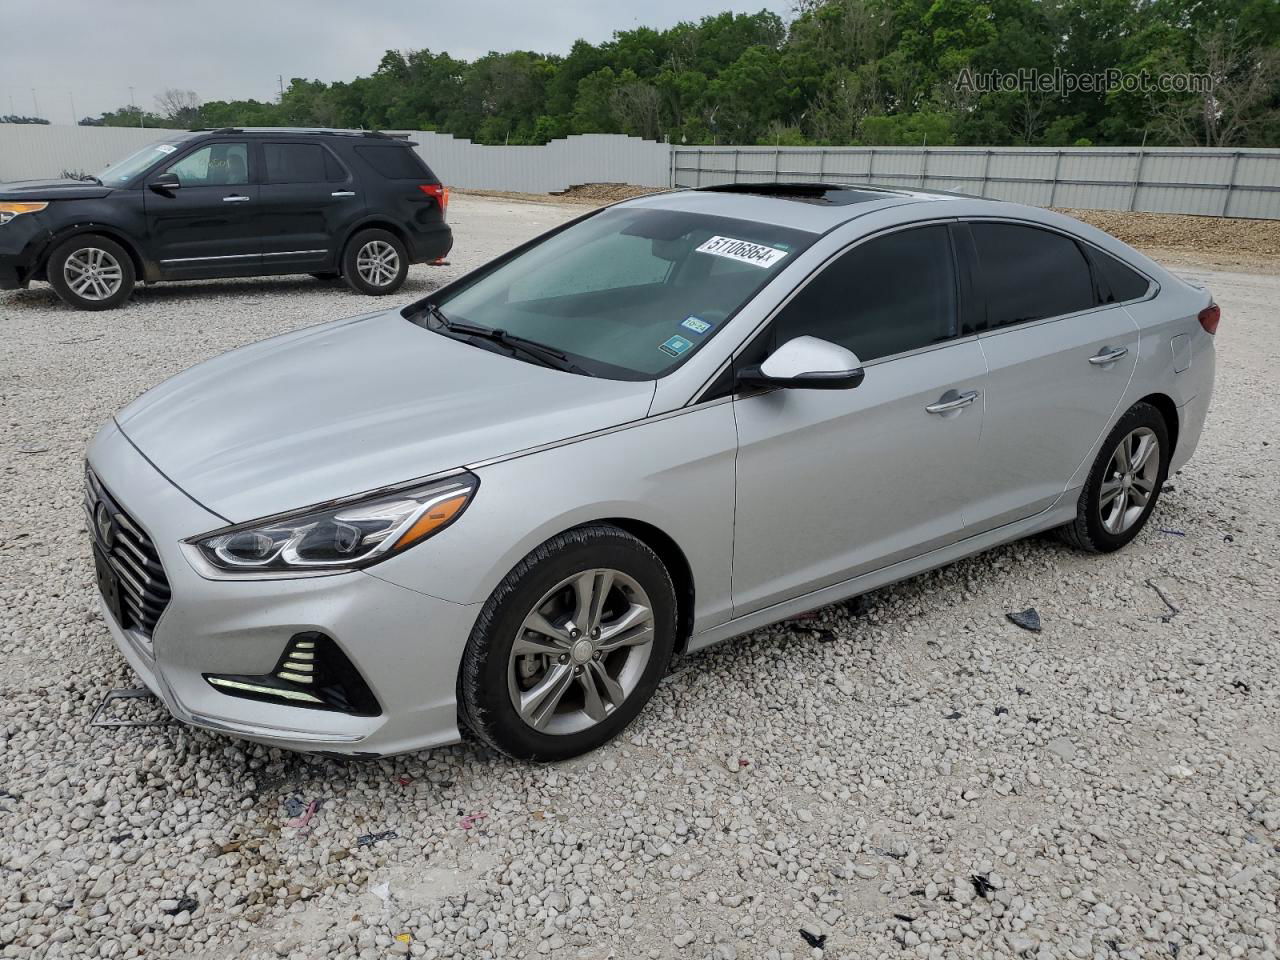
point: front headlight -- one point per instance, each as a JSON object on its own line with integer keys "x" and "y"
{"x": 9, "y": 210}
{"x": 333, "y": 537}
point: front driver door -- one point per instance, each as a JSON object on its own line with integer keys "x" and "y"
{"x": 208, "y": 227}
{"x": 832, "y": 484}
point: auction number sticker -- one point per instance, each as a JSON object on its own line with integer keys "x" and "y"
{"x": 744, "y": 251}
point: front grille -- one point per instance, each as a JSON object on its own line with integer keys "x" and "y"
{"x": 144, "y": 589}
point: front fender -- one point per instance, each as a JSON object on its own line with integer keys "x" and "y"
{"x": 675, "y": 473}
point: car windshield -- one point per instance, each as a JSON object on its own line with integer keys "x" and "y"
{"x": 135, "y": 163}
{"x": 630, "y": 292}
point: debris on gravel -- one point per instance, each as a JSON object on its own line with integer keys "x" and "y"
{"x": 1108, "y": 789}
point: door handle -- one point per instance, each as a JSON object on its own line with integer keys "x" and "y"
{"x": 953, "y": 401}
{"x": 234, "y": 199}
{"x": 343, "y": 193}
{"x": 1108, "y": 355}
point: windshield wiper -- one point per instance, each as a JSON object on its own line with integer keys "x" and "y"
{"x": 88, "y": 177}
{"x": 517, "y": 344}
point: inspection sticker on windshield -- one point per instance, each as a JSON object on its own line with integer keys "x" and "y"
{"x": 675, "y": 346}
{"x": 697, "y": 326}
{"x": 165, "y": 148}
{"x": 744, "y": 251}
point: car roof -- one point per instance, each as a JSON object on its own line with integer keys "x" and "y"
{"x": 811, "y": 206}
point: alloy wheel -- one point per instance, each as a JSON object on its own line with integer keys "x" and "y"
{"x": 1129, "y": 481}
{"x": 581, "y": 651}
{"x": 93, "y": 274}
{"x": 378, "y": 263}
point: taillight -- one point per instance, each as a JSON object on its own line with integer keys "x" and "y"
{"x": 438, "y": 192}
{"x": 1209, "y": 318}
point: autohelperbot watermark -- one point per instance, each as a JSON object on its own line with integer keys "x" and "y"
{"x": 1064, "y": 83}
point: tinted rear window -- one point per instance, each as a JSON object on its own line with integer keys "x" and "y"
{"x": 1119, "y": 282}
{"x": 1029, "y": 274}
{"x": 396, "y": 163}
{"x": 294, "y": 162}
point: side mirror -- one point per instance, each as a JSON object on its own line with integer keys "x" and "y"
{"x": 806, "y": 363}
{"x": 164, "y": 182}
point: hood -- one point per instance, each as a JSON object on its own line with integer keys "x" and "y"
{"x": 354, "y": 405}
{"x": 52, "y": 190}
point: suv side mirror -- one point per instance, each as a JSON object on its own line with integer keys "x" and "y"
{"x": 164, "y": 182}
{"x": 806, "y": 363}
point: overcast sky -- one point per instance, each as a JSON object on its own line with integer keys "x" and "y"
{"x": 94, "y": 50}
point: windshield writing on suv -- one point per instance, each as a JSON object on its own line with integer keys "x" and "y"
{"x": 630, "y": 292}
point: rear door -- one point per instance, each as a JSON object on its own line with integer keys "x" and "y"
{"x": 836, "y": 483}
{"x": 309, "y": 203}
{"x": 208, "y": 227}
{"x": 1059, "y": 361}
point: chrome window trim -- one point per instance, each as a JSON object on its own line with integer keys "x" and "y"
{"x": 241, "y": 256}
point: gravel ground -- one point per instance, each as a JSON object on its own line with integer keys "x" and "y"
{"x": 914, "y": 776}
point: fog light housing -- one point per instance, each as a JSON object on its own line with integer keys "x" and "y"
{"x": 313, "y": 672}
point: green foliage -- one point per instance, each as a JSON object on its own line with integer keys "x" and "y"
{"x": 842, "y": 72}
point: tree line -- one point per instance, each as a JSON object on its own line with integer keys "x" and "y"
{"x": 839, "y": 72}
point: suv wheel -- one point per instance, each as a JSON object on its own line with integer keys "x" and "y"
{"x": 570, "y": 646}
{"x": 91, "y": 272}
{"x": 375, "y": 263}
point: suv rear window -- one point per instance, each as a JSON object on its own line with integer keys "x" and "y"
{"x": 396, "y": 163}
{"x": 299, "y": 163}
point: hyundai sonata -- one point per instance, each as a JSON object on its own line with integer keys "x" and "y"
{"x": 661, "y": 425}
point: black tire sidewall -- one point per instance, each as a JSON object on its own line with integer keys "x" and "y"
{"x": 1140, "y": 415}
{"x": 57, "y": 279}
{"x": 352, "y": 275}
{"x": 489, "y": 704}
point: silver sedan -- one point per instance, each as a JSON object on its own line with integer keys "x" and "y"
{"x": 662, "y": 425}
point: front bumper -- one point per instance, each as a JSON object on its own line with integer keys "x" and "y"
{"x": 22, "y": 242}
{"x": 405, "y": 644}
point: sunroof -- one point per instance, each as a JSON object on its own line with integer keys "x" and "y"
{"x": 824, "y": 193}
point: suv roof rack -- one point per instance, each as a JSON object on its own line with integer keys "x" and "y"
{"x": 310, "y": 131}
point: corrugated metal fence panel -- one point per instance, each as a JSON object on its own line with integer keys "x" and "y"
{"x": 1238, "y": 183}
{"x": 32, "y": 151}
{"x": 588, "y": 158}
{"x": 35, "y": 151}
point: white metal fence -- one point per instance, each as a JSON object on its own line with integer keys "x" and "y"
{"x": 1236, "y": 183}
{"x": 1233, "y": 183}
{"x": 32, "y": 151}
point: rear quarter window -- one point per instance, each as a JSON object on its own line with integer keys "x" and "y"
{"x": 1119, "y": 282}
{"x": 396, "y": 163}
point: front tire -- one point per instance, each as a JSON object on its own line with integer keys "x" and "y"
{"x": 1124, "y": 484}
{"x": 91, "y": 272}
{"x": 375, "y": 263}
{"x": 570, "y": 646}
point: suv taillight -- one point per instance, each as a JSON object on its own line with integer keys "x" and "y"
{"x": 437, "y": 191}
{"x": 1209, "y": 318}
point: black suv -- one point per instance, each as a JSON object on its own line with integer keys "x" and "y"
{"x": 229, "y": 203}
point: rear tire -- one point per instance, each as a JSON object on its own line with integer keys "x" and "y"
{"x": 375, "y": 263}
{"x": 605, "y": 613}
{"x": 1107, "y": 519}
{"x": 91, "y": 272}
